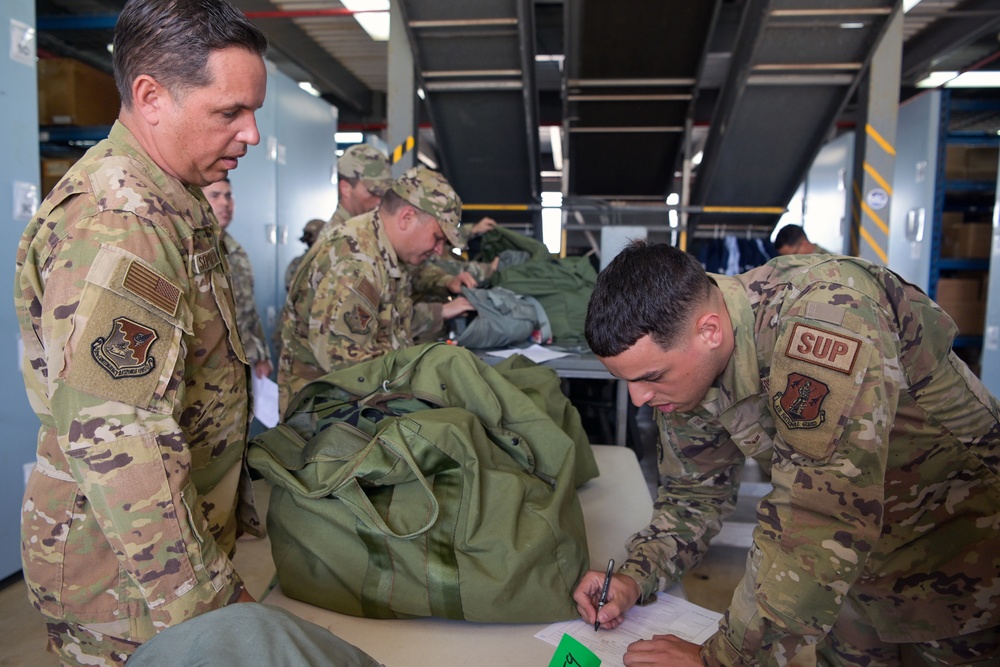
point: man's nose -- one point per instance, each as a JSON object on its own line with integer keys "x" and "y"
{"x": 640, "y": 393}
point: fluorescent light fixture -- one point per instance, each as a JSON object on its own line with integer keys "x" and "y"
{"x": 309, "y": 88}
{"x": 552, "y": 199}
{"x": 552, "y": 229}
{"x": 348, "y": 137}
{"x": 420, "y": 94}
{"x": 375, "y": 19}
{"x": 696, "y": 160}
{"x": 340, "y": 151}
{"x": 852, "y": 26}
{"x": 555, "y": 136}
{"x": 431, "y": 164}
{"x": 673, "y": 199}
{"x": 980, "y": 79}
{"x": 909, "y": 4}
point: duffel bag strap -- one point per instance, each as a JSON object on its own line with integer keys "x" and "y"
{"x": 375, "y": 461}
{"x": 278, "y": 453}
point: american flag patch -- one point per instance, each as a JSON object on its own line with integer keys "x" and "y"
{"x": 152, "y": 287}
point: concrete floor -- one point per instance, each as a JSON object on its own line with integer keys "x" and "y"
{"x": 710, "y": 584}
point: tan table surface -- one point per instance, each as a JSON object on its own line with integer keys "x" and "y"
{"x": 615, "y": 505}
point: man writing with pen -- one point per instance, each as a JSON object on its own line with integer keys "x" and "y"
{"x": 878, "y": 544}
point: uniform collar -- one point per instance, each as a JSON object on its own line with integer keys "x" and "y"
{"x": 391, "y": 260}
{"x": 174, "y": 191}
{"x": 741, "y": 378}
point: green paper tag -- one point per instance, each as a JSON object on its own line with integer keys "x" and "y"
{"x": 571, "y": 653}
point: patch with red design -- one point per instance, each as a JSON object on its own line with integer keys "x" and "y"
{"x": 124, "y": 353}
{"x": 358, "y": 320}
{"x": 800, "y": 404}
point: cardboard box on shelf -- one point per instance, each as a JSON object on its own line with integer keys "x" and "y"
{"x": 54, "y": 168}
{"x": 72, "y": 93}
{"x": 967, "y": 240}
{"x": 966, "y": 288}
{"x": 954, "y": 162}
{"x": 964, "y": 299}
{"x": 976, "y": 163}
{"x": 981, "y": 163}
{"x": 969, "y": 316}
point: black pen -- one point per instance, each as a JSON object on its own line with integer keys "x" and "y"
{"x": 604, "y": 592}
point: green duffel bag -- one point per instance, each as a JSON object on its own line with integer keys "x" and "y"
{"x": 388, "y": 503}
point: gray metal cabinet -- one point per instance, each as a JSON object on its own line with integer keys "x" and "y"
{"x": 944, "y": 202}
{"x": 283, "y": 182}
{"x": 18, "y": 174}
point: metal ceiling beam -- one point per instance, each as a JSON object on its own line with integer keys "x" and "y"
{"x": 792, "y": 73}
{"x": 293, "y": 45}
{"x": 969, "y": 23}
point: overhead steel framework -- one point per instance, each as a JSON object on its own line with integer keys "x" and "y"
{"x": 476, "y": 64}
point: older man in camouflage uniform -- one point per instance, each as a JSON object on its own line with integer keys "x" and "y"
{"x": 220, "y": 197}
{"x": 132, "y": 359}
{"x": 881, "y": 536}
{"x": 353, "y": 301}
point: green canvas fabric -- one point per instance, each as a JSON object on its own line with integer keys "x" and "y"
{"x": 423, "y": 483}
{"x": 502, "y": 318}
{"x": 561, "y": 285}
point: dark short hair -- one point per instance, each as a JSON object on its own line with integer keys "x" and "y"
{"x": 649, "y": 289}
{"x": 789, "y": 235}
{"x": 171, "y": 41}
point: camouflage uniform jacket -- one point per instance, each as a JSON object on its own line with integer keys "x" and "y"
{"x": 247, "y": 320}
{"x": 350, "y": 301}
{"x": 883, "y": 449}
{"x": 134, "y": 366}
{"x": 427, "y": 317}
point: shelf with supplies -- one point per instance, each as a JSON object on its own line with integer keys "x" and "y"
{"x": 964, "y": 200}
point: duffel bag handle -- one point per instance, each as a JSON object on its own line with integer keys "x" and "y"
{"x": 351, "y": 493}
{"x": 279, "y": 454}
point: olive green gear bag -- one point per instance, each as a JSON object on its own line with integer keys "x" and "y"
{"x": 423, "y": 483}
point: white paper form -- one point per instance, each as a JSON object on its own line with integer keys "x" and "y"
{"x": 668, "y": 615}
{"x": 265, "y": 400}
{"x": 536, "y": 353}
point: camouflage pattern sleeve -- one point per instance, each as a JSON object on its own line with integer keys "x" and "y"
{"x": 834, "y": 387}
{"x": 344, "y": 322}
{"x": 429, "y": 281}
{"x": 699, "y": 469}
{"x": 247, "y": 318}
{"x": 428, "y": 320}
{"x": 110, "y": 306}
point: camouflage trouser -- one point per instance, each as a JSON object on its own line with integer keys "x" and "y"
{"x": 853, "y": 642}
{"x": 76, "y": 645}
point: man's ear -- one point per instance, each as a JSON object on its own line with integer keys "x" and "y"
{"x": 343, "y": 187}
{"x": 407, "y": 216}
{"x": 710, "y": 329}
{"x": 148, "y": 98}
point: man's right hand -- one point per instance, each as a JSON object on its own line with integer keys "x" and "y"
{"x": 245, "y": 597}
{"x": 623, "y": 593}
{"x": 456, "y": 307}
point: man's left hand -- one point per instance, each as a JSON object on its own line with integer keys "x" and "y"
{"x": 663, "y": 650}
{"x": 464, "y": 279}
{"x": 262, "y": 369}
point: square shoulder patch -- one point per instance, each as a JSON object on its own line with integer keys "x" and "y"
{"x": 824, "y": 348}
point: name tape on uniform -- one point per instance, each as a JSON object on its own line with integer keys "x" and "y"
{"x": 823, "y": 348}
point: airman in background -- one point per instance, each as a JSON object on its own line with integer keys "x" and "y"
{"x": 792, "y": 240}
{"x": 309, "y": 235}
{"x": 220, "y": 197}
{"x": 352, "y": 301}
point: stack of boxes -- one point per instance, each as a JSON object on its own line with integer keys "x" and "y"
{"x": 967, "y": 235}
{"x": 75, "y": 94}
